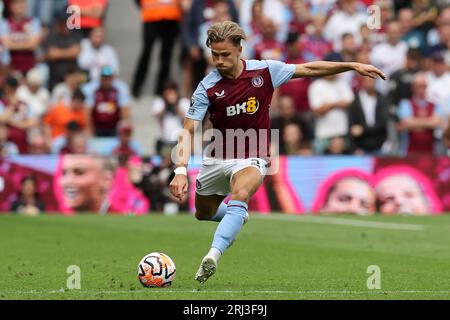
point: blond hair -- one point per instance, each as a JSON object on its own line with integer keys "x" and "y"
{"x": 227, "y": 30}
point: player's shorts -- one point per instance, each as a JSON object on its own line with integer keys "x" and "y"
{"x": 215, "y": 175}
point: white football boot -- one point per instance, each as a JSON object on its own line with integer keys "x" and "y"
{"x": 207, "y": 268}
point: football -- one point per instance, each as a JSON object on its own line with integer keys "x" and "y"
{"x": 156, "y": 270}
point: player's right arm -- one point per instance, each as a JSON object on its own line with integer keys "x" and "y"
{"x": 193, "y": 120}
{"x": 179, "y": 185}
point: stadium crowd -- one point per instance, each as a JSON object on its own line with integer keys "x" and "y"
{"x": 61, "y": 91}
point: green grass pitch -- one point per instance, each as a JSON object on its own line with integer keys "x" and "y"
{"x": 276, "y": 257}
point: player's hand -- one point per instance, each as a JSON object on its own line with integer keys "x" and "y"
{"x": 179, "y": 186}
{"x": 369, "y": 71}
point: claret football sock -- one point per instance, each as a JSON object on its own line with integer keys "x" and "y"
{"x": 220, "y": 213}
{"x": 231, "y": 224}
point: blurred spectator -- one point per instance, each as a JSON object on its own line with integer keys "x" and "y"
{"x": 446, "y": 138}
{"x": 268, "y": 47}
{"x": 438, "y": 92}
{"x": 109, "y": 101}
{"x": 329, "y": 98}
{"x": 368, "y": 39}
{"x": 321, "y": 7}
{"x": 313, "y": 44}
{"x": 37, "y": 143}
{"x": 296, "y": 88}
{"x": 6, "y": 8}
{"x": 401, "y": 80}
{"x": 21, "y": 35}
{"x": 293, "y": 141}
{"x": 412, "y": 37}
{"x": 57, "y": 119}
{"x": 348, "y": 53}
{"x": 200, "y": 12}
{"x": 301, "y": 16}
{"x": 221, "y": 11}
{"x": 368, "y": 117}
{"x": 160, "y": 20}
{"x": 345, "y": 20}
{"x": 438, "y": 80}
{"x": 92, "y": 14}
{"x": 418, "y": 119}
{"x": 387, "y": 14}
{"x": 390, "y": 55}
{"x": 7, "y": 148}
{"x": 95, "y": 54}
{"x": 362, "y": 56}
{"x": 287, "y": 114}
{"x": 253, "y": 29}
{"x": 277, "y": 10}
{"x": 46, "y": 10}
{"x": 17, "y": 115}
{"x": 63, "y": 91}
{"x": 124, "y": 197}
{"x": 169, "y": 110}
{"x": 349, "y": 48}
{"x": 76, "y": 144}
{"x": 154, "y": 181}
{"x": 434, "y": 40}
{"x": 33, "y": 92}
{"x": 62, "y": 48}
{"x": 337, "y": 146}
{"x": 28, "y": 201}
{"x": 126, "y": 145}
{"x": 425, "y": 13}
{"x": 62, "y": 141}
{"x": 446, "y": 110}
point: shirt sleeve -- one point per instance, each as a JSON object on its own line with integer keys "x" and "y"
{"x": 4, "y": 28}
{"x": 199, "y": 104}
{"x": 405, "y": 110}
{"x": 36, "y": 27}
{"x": 88, "y": 91}
{"x": 124, "y": 95}
{"x": 438, "y": 110}
{"x": 280, "y": 72}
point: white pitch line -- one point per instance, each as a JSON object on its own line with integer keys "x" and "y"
{"x": 345, "y": 222}
{"x": 227, "y": 291}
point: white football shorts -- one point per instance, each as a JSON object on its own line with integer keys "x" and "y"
{"x": 215, "y": 175}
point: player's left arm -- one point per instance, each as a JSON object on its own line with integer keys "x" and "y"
{"x": 328, "y": 68}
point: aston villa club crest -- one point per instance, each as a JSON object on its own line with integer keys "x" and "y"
{"x": 257, "y": 81}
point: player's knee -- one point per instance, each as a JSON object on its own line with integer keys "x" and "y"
{"x": 241, "y": 195}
